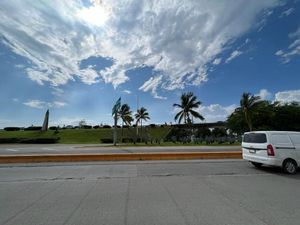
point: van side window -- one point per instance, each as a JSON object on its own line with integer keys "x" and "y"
{"x": 280, "y": 139}
{"x": 295, "y": 139}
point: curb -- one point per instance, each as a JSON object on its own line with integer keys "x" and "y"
{"x": 118, "y": 157}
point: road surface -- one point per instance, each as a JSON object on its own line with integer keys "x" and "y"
{"x": 222, "y": 192}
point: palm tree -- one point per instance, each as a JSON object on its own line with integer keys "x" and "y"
{"x": 188, "y": 104}
{"x": 126, "y": 115}
{"x": 141, "y": 115}
{"x": 248, "y": 104}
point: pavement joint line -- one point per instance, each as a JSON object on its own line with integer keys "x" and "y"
{"x": 118, "y": 157}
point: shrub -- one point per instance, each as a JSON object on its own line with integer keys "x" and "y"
{"x": 12, "y": 128}
{"x": 29, "y": 140}
{"x": 39, "y": 140}
{"x": 106, "y": 140}
{"x": 125, "y": 126}
{"x": 33, "y": 128}
{"x": 152, "y": 125}
{"x": 87, "y": 127}
{"x": 178, "y": 134}
{"x": 96, "y": 127}
{"x": 53, "y": 128}
{"x": 106, "y": 126}
{"x": 127, "y": 140}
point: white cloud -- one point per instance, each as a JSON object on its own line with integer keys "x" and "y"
{"x": 287, "y": 12}
{"x": 4, "y": 122}
{"x": 217, "y": 61}
{"x": 233, "y": 55}
{"x": 279, "y": 53}
{"x": 20, "y": 66}
{"x": 74, "y": 121}
{"x": 288, "y": 96}
{"x": 179, "y": 39}
{"x": 41, "y": 104}
{"x": 216, "y": 112}
{"x": 292, "y": 50}
{"x": 152, "y": 85}
{"x": 127, "y": 91}
{"x": 264, "y": 94}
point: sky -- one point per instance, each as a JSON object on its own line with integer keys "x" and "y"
{"x": 76, "y": 58}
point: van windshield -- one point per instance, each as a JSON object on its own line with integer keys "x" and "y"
{"x": 255, "y": 138}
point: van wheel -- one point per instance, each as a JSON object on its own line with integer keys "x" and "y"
{"x": 257, "y": 165}
{"x": 290, "y": 166}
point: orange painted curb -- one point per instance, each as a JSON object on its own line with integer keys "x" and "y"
{"x": 118, "y": 157}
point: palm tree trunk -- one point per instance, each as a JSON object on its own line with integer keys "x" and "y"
{"x": 248, "y": 120}
{"x": 122, "y": 131}
{"x": 137, "y": 128}
{"x": 141, "y": 130}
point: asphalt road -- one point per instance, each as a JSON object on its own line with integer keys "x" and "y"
{"x": 223, "y": 192}
{"x": 14, "y": 149}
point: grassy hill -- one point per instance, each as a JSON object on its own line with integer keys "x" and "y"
{"x": 86, "y": 136}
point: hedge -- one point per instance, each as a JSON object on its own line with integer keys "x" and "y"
{"x": 29, "y": 140}
{"x": 106, "y": 140}
{"x": 87, "y": 127}
{"x": 33, "y": 128}
{"x": 12, "y": 128}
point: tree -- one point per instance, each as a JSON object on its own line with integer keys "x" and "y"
{"x": 267, "y": 116}
{"x": 126, "y": 115}
{"x": 81, "y": 123}
{"x": 248, "y": 104}
{"x": 219, "y": 132}
{"x": 236, "y": 122}
{"x": 141, "y": 115}
{"x": 187, "y": 105}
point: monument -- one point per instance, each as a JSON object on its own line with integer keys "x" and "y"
{"x": 45, "y": 124}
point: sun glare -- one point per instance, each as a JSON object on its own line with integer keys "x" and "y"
{"x": 95, "y": 15}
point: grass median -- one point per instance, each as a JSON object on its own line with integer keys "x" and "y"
{"x": 94, "y": 136}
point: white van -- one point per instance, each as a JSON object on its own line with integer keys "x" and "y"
{"x": 274, "y": 148}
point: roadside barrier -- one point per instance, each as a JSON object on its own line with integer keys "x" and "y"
{"x": 118, "y": 157}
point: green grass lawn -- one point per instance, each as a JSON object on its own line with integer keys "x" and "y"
{"x": 85, "y": 136}
{"x": 94, "y": 136}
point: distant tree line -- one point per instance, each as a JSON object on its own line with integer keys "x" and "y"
{"x": 257, "y": 114}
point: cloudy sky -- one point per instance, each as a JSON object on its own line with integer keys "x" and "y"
{"x": 78, "y": 57}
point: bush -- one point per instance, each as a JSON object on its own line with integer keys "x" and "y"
{"x": 106, "y": 126}
{"x": 29, "y": 140}
{"x": 106, "y": 140}
{"x": 53, "y": 128}
{"x": 40, "y": 140}
{"x": 178, "y": 134}
{"x": 127, "y": 140}
{"x": 33, "y": 128}
{"x": 96, "y": 127}
{"x": 12, "y": 128}
{"x": 125, "y": 126}
{"x": 152, "y": 125}
{"x": 87, "y": 127}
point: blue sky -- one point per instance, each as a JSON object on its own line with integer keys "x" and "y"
{"x": 78, "y": 57}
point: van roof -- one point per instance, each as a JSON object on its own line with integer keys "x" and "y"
{"x": 273, "y": 132}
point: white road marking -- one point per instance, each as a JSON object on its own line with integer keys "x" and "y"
{"x": 50, "y": 149}
{"x": 12, "y": 150}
